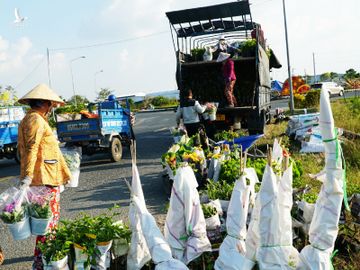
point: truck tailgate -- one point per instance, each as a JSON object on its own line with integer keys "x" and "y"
{"x": 79, "y": 130}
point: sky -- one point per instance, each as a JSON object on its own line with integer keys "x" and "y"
{"x": 137, "y": 55}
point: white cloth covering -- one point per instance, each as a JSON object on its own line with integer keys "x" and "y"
{"x": 139, "y": 253}
{"x": 159, "y": 248}
{"x": 232, "y": 250}
{"x": 324, "y": 226}
{"x": 185, "y": 228}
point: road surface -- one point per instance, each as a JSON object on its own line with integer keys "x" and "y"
{"x": 102, "y": 184}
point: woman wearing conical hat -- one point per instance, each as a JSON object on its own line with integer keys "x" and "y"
{"x": 41, "y": 161}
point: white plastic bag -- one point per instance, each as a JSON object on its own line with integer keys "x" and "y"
{"x": 72, "y": 158}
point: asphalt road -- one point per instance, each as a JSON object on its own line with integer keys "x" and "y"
{"x": 102, "y": 184}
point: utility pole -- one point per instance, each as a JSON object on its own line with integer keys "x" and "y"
{"x": 314, "y": 67}
{"x": 48, "y": 65}
{"x": 288, "y": 62}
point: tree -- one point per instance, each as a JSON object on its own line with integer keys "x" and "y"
{"x": 79, "y": 100}
{"x": 333, "y": 75}
{"x": 325, "y": 76}
{"x": 103, "y": 94}
{"x": 8, "y": 96}
{"x": 351, "y": 74}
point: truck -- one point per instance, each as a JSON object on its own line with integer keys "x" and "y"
{"x": 10, "y": 118}
{"x": 196, "y": 29}
{"x": 108, "y": 130}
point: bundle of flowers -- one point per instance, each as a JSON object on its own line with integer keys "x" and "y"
{"x": 13, "y": 212}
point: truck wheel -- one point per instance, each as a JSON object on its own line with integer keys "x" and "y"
{"x": 17, "y": 156}
{"x": 115, "y": 150}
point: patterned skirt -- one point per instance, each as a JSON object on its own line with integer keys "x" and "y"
{"x": 55, "y": 209}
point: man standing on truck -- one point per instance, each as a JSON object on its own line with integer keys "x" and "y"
{"x": 229, "y": 77}
{"x": 189, "y": 110}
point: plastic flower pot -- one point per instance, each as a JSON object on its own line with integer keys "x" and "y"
{"x": 39, "y": 226}
{"x": 74, "y": 181}
{"x": 56, "y": 265}
{"x": 103, "y": 248}
{"x": 80, "y": 256}
{"x": 120, "y": 247}
{"x": 20, "y": 230}
{"x": 212, "y": 115}
{"x": 212, "y": 222}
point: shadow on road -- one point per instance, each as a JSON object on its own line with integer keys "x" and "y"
{"x": 18, "y": 260}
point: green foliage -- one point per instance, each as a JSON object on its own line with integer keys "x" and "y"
{"x": 258, "y": 164}
{"x": 229, "y": 135}
{"x": 103, "y": 94}
{"x": 248, "y": 47}
{"x": 351, "y": 74}
{"x": 70, "y": 108}
{"x": 230, "y": 170}
{"x": 310, "y": 100}
{"x": 219, "y": 190}
{"x": 310, "y": 197}
{"x": 40, "y": 211}
{"x": 79, "y": 100}
{"x": 8, "y": 96}
{"x": 56, "y": 245}
{"x": 13, "y": 216}
{"x": 197, "y": 54}
{"x": 208, "y": 210}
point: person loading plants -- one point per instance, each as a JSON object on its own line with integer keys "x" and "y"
{"x": 189, "y": 110}
{"x": 41, "y": 162}
{"x": 229, "y": 76}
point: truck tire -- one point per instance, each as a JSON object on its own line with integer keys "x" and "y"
{"x": 17, "y": 156}
{"x": 115, "y": 150}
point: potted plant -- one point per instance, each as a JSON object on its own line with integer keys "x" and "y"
{"x": 55, "y": 249}
{"x": 15, "y": 217}
{"x": 40, "y": 213}
{"x": 81, "y": 234}
{"x": 220, "y": 190}
{"x": 212, "y": 113}
{"x": 121, "y": 242}
{"x": 72, "y": 158}
{"x": 248, "y": 48}
{"x": 212, "y": 219}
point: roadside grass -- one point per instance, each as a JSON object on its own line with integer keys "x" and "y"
{"x": 347, "y": 114}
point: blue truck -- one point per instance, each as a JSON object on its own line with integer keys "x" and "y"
{"x": 107, "y": 130}
{"x": 10, "y": 118}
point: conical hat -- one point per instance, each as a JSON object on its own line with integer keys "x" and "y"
{"x": 222, "y": 57}
{"x": 42, "y": 91}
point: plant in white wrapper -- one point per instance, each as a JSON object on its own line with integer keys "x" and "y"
{"x": 13, "y": 213}
{"x": 39, "y": 210}
{"x": 55, "y": 249}
{"x": 211, "y": 215}
{"x": 72, "y": 158}
{"x": 185, "y": 227}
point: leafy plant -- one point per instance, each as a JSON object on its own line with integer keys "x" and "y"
{"x": 41, "y": 211}
{"x": 13, "y": 213}
{"x": 208, "y": 210}
{"x": 230, "y": 170}
{"x": 310, "y": 197}
{"x": 56, "y": 244}
{"x": 258, "y": 164}
{"x": 219, "y": 190}
{"x": 229, "y": 135}
{"x": 248, "y": 47}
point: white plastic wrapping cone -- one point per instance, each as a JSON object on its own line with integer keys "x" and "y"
{"x": 324, "y": 225}
{"x": 139, "y": 253}
{"x": 232, "y": 250}
{"x": 185, "y": 227}
{"x": 159, "y": 248}
{"x": 276, "y": 250}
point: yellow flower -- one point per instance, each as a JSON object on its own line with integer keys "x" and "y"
{"x": 90, "y": 235}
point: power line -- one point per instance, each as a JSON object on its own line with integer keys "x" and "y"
{"x": 31, "y": 72}
{"x": 111, "y": 42}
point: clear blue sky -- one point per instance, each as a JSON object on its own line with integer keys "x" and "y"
{"x": 328, "y": 28}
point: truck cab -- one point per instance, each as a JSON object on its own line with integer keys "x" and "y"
{"x": 199, "y": 29}
{"x": 107, "y": 129}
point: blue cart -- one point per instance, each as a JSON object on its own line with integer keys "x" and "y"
{"x": 106, "y": 131}
{"x": 10, "y": 118}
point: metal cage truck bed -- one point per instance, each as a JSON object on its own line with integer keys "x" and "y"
{"x": 197, "y": 29}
